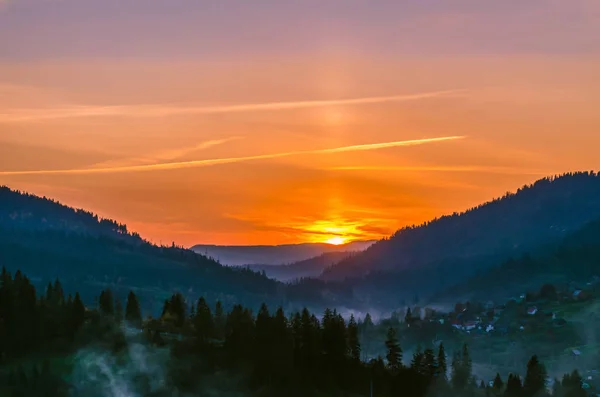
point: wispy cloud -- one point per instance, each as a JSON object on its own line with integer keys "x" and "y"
{"x": 486, "y": 169}
{"x": 26, "y": 115}
{"x": 210, "y": 162}
{"x": 166, "y": 155}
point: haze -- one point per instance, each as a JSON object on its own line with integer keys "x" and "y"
{"x": 268, "y": 122}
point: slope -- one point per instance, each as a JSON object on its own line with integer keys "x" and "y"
{"x": 538, "y": 213}
{"x": 575, "y": 260}
{"x": 312, "y": 267}
{"x": 49, "y": 240}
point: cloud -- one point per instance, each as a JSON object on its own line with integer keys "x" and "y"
{"x": 485, "y": 169}
{"x": 165, "y": 155}
{"x": 210, "y": 162}
{"x": 27, "y": 115}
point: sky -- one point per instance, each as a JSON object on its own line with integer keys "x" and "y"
{"x": 270, "y": 122}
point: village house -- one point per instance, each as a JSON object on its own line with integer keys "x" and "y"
{"x": 532, "y": 310}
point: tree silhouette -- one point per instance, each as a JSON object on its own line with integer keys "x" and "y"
{"x": 394, "y": 352}
{"x": 535, "y": 379}
{"x": 133, "y": 313}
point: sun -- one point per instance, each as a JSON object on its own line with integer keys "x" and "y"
{"x": 336, "y": 240}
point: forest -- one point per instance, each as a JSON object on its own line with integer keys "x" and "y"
{"x": 262, "y": 354}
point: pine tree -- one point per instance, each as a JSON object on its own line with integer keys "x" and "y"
{"x": 572, "y": 385}
{"x": 78, "y": 313}
{"x": 177, "y": 309}
{"x": 203, "y": 322}
{"x": 514, "y": 388}
{"x": 498, "y": 384}
{"x": 442, "y": 364}
{"x": 133, "y": 313}
{"x": 219, "y": 321}
{"x": 394, "y": 352}
{"x": 462, "y": 369}
{"x": 105, "y": 302}
{"x": 353, "y": 341}
{"x": 430, "y": 366}
{"x": 535, "y": 379}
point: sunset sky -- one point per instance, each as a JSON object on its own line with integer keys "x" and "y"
{"x": 269, "y": 121}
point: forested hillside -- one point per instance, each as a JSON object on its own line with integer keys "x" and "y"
{"x": 444, "y": 251}
{"x": 573, "y": 260}
{"x": 49, "y": 240}
{"x": 312, "y": 267}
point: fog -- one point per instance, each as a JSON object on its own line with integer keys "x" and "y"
{"x": 138, "y": 371}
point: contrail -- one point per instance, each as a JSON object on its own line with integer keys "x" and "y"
{"x": 23, "y": 115}
{"x": 165, "y": 155}
{"x": 488, "y": 169}
{"x": 209, "y": 162}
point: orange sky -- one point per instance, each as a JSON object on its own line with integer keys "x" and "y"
{"x": 270, "y": 122}
{"x": 519, "y": 119}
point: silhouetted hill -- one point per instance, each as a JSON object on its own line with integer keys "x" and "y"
{"x": 312, "y": 267}
{"x": 241, "y": 255}
{"x": 548, "y": 209}
{"x": 422, "y": 260}
{"x": 573, "y": 260}
{"x": 23, "y": 211}
{"x": 48, "y": 240}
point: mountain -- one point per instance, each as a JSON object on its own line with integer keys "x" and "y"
{"x": 437, "y": 254}
{"x": 49, "y": 240}
{"x": 240, "y": 255}
{"x": 574, "y": 260}
{"x": 312, "y": 267}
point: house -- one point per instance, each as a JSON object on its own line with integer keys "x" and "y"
{"x": 470, "y": 325}
{"x": 532, "y": 310}
{"x": 456, "y": 324}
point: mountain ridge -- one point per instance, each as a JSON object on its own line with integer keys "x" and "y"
{"x": 535, "y": 213}
{"x": 274, "y": 255}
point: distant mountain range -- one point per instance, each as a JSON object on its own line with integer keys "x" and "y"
{"x": 242, "y": 255}
{"x": 312, "y": 267}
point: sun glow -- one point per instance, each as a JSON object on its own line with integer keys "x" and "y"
{"x": 336, "y": 240}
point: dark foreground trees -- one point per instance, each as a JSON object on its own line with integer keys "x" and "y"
{"x": 267, "y": 354}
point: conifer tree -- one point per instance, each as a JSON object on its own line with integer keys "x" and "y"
{"x": 394, "y": 352}
{"x": 514, "y": 388}
{"x": 105, "y": 302}
{"x": 203, "y": 322}
{"x": 430, "y": 366}
{"x": 133, "y": 313}
{"x": 78, "y": 313}
{"x": 535, "y": 379}
{"x": 353, "y": 340}
{"x": 219, "y": 320}
{"x": 498, "y": 384}
{"x": 442, "y": 364}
